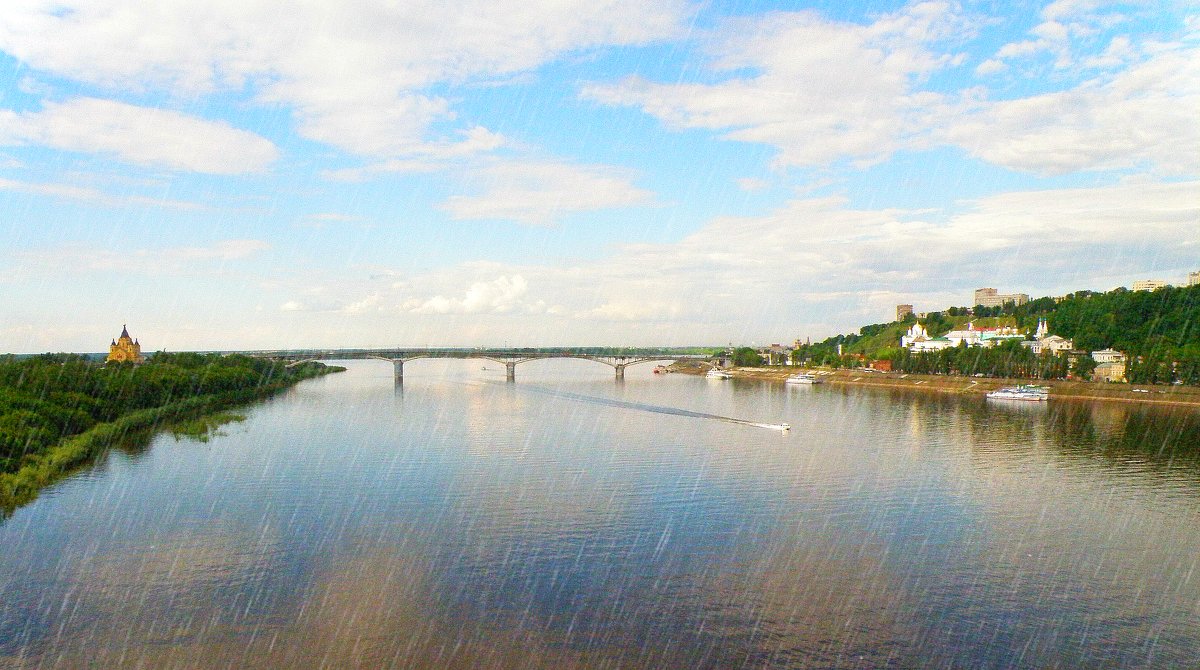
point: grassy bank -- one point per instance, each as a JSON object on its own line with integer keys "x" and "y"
{"x": 202, "y": 428}
{"x": 190, "y": 416}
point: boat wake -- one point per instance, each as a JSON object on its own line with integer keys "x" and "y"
{"x": 658, "y": 409}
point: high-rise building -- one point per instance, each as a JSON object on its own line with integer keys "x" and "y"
{"x": 990, "y": 297}
{"x": 1193, "y": 278}
{"x": 1148, "y": 285}
{"x": 903, "y": 312}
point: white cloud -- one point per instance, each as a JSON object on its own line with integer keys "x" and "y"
{"x": 822, "y": 92}
{"x": 93, "y": 195}
{"x": 322, "y": 219}
{"x": 141, "y": 135}
{"x": 391, "y": 166}
{"x": 1067, "y": 26}
{"x": 334, "y": 217}
{"x": 634, "y": 310}
{"x": 990, "y": 67}
{"x": 1144, "y": 116}
{"x": 1119, "y": 52}
{"x": 429, "y": 156}
{"x": 354, "y": 73}
{"x": 814, "y": 266}
{"x": 749, "y": 272}
{"x": 819, "y": 90}
{"x": 165, "y": 261}
{"x": 538, "y": 194}
{"x": 1020, "y": 49}
{"x": 368, "y": 304}
{"x": 501, "y": 295}
{"x": 752, "y": 184}
{"x": 225, "y": 250}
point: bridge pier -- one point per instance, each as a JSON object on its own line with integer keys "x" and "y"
{"x": 510, "y": 372}
{"x": 620, "y": 369}
{"x": 398, "y": 370}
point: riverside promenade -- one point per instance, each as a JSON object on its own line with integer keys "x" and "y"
{"x": 1147, "y": 394}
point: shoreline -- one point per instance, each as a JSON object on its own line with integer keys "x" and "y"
{"x": 1138, "y": 394}
{"x": 23, "y": 485}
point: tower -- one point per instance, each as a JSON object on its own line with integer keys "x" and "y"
{"x": 1042, "y": 330}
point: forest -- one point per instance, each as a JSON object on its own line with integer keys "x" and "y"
{"x": 48, "y": 398}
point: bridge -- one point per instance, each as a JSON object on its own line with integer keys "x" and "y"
{"x": 510, "y": 358}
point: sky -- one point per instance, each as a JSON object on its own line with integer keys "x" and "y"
{"x": 242, "y": 174}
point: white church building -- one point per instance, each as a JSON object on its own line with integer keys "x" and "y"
{"x": 918, "y": 338}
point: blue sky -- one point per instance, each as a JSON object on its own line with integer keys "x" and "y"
{"x": 231, "y": 175}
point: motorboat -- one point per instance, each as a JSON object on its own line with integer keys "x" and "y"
{"x": 717, "y": 373}
{"x": 803, "y": 378}
{"x": 1021, "y": 392}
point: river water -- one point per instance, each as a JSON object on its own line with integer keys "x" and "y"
{"x": 568, "y": 521}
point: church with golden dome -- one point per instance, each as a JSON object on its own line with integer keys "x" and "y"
{"x": 125, "y": 349}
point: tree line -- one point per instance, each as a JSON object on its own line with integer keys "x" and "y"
{"x": 45, "y": 399}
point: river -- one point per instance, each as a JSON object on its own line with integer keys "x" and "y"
{"x": 569, "y": 521}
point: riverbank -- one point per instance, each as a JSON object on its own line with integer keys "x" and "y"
{"x": 44, "y": 468}
{"x": 1146, "y": 394}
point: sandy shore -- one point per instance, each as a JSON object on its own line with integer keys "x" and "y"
{"x": 1185, "y": 396}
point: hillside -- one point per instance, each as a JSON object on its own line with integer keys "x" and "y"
{"x": 1159, "y": 330}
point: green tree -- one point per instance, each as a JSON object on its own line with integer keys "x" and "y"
{"x": 1083, "y": 367}
{"x": 746, "y": 357}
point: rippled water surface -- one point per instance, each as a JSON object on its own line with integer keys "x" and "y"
{"x": 567, "y": 521}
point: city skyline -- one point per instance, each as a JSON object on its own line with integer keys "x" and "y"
{"x": 569, "y": 173}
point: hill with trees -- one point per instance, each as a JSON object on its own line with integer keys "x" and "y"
{"x": 1158, "y": 330}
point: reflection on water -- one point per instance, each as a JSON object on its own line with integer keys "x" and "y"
{"x": 469, "y": 523}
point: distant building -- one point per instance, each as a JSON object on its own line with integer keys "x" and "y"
{"x": 903, "y": 312}
{"x": 1193, "y": 278}
{"x": 1108, "y": 356}
{"x": 1109, "y": 372}
{"x": 990, "y": 297}
{"x": 1044, "y": 342}
{"x": 1052, "y": 344}
{"x": 917, "y": 338}
{"x": 776, "y": 354}
{"x": 125, "y": 349}
{"x": 1148, "y": 285}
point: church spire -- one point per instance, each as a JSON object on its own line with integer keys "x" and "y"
{"x": 124, "y": 331}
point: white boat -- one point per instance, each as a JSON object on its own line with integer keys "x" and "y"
{"x": 1022, "y": 392}
{"x": 803, "y": 378}
{"x": 718, "y": 374}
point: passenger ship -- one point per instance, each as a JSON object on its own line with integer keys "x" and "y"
{"x": 803, "y": 378}
{"x": 1022, "y": 392}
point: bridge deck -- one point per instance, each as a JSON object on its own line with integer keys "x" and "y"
{"x": 617, "y": 359}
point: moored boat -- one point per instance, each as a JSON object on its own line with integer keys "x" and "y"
{"x": 716, "y": 373}
{"x": 1022, "y": 392}
{"x": 803, "y": 378}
